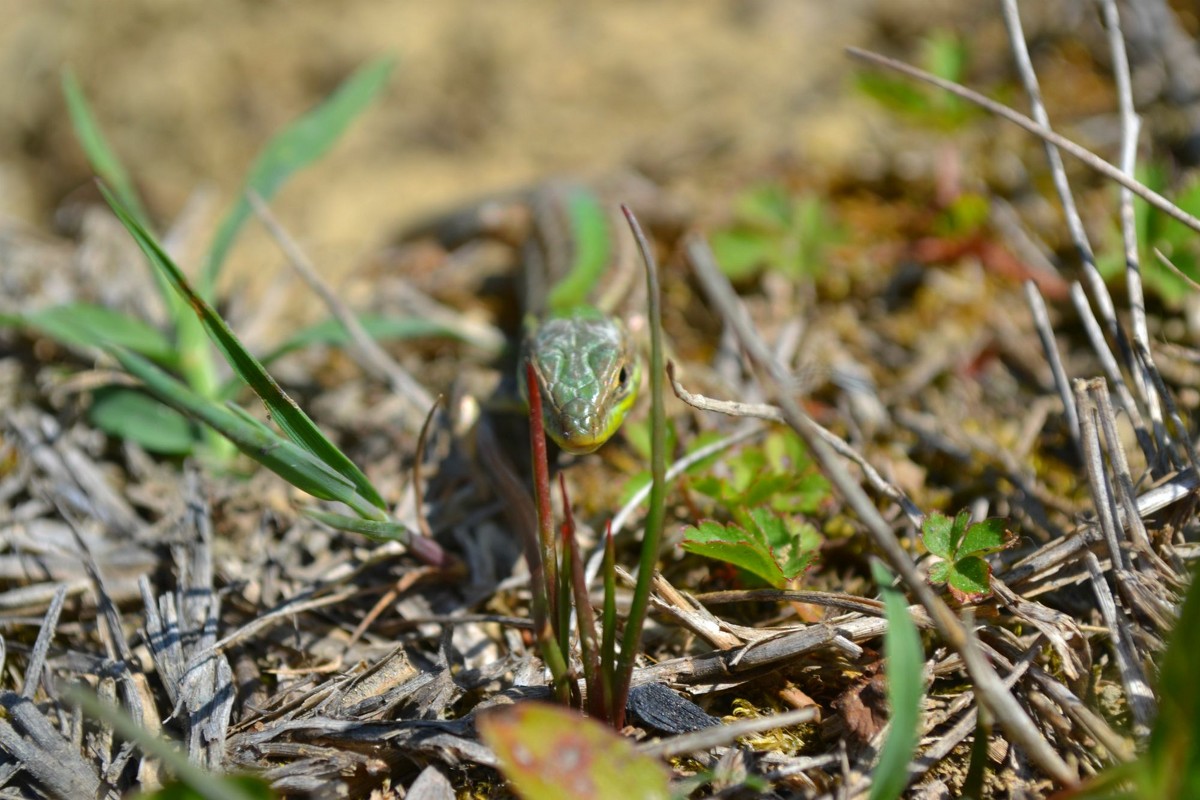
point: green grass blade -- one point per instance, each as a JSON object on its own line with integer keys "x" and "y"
{"x": 427, "y": 550}
{"x": 292, "y": 149}
{"x": 108, "y": 166}
{"x": 84, "y": 325}
{"x": 204, "y": 784}
{"x": 656, "y": 512}
{"x": 379, "y": 327}
{"x": 972, "y": 788}
{"x": 99, "y": 154}
{"x": 293, "y": 421}
{"x": 904, "y": 660}
{"x": 379, "y": 530}
{"x": 1171, "y": 765}
{"x": 608, "y": 625}
{"x": 293, "y": 463}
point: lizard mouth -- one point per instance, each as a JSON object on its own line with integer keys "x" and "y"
{"x": 579, "y": 444}
{"x": 579, "y": 436}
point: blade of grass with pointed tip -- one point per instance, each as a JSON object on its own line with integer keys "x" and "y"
{"x": 95, "y": 146}
{"x": 206, "y": 784}
{"x": 295, "y": 147}
{"x": 194, "y": 358}
{"x": 425, "y": 549}
{"x": 1171, "y": 765}
{"x": 290, "y": 418}
{"x": 108, "y": 166}
{"x": 295, "y": 464}
{"x": 904, "y": 661}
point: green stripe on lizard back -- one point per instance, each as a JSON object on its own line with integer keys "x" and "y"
{"x": 588, "y": 225}
{"x": 587, "y": 368}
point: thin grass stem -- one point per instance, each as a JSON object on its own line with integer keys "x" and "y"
{"x": 640, "y": 605}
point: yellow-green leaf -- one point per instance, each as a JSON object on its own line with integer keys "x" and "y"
{"x": 550, "y": 752}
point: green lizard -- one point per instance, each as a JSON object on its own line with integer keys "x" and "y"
{"x": 586, "y": 365}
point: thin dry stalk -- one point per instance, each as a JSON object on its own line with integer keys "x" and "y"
{"x": 999, "y": 701}
{"x": 369, "y": 355}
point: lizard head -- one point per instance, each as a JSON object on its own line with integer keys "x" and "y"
{"x": 588, "y": 375}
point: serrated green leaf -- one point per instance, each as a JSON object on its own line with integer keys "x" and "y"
{"x": 793, "y": 547}
{"x": 290, "y": 418}
{"x": 734, "y": 545}
{"x": 774, "y": 529}
{"x": 971, "y": 576}
{"x": 903, "y": 664}
{"x": 137, "y": 417}
{"x": 85, "y": 325}
{"x": 936, "y": 532}
{"x": 293, "y": 148}
{"x": 986, "y": 536}
{"x": 767, "y": 547}
{"x": 550, "y": 752}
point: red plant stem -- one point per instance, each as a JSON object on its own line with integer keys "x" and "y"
{"x": 585, "y": 616}
{"x": 608, "y": 622}
{"x": 541, "y": 492}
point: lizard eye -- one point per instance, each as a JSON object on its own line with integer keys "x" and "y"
{"x": 623, "y": 376}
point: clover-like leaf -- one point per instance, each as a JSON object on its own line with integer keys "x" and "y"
{"x": 959, "y": 546}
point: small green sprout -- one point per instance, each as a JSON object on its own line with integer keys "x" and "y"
{"x": 961, "y": 546}
{"x": 775, "y": 229}
{"x": 1157, "y": 231}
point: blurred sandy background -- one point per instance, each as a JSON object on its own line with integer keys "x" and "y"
{"x": 484, "y": 96}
